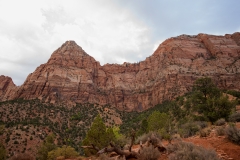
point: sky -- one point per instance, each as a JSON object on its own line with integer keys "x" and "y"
{"x": 111, "y": 31}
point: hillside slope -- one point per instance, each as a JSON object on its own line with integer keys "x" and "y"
{"x": 72, "y": 76}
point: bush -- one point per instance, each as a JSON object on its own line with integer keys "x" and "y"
{"x": 3, "y": 154}
{"x": 220, "y": 122}
{"x": 204, "y": 132}
{"x": 65, "y": 152}
{"x": 157, "y": 120}
{"x": 164, "y": 134}
{"x": 189, "y": 129}
{"x": 149, "y": 153}
{"x": 201, "y": 124}
{"x": 235, "y": 117}
{"x": 121, "y": 141}
{"x": 220, "y": 131}
{"x": 148, "y": 136}
{"x": 233, "y": 134}
{"x": 234, "y": 93}
{"x": 47, "y": 146}
{"x": 188, "y": 151}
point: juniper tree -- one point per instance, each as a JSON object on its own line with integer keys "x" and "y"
{"x": 98, "y": 135}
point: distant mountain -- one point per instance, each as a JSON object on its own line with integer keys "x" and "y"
{"x": 72, "y": 76}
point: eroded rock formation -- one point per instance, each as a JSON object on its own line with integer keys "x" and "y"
{"x": 7, "y": 87}
{"x": 72, "y": 76}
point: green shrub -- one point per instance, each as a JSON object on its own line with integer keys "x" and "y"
{"x": 158, "y": 120}
{"x": 233, "y": 134}
{"x": 2, "y": 128}
{"x": 220, "y": 122}
{"x": 7, "y": 139}
{"x": 201, "y": 124}
{"x": 121, "y": 141}
{"x": 220, "y": 131}
{"x": 234, "y": 93}
{"x": 188, "y": 129}
{"x": 189, "y": 151}
{"x": 65, "y": 151}
{"x": 149, "y": 153}
{"x": 235, "y": 117}
{"x": 164, "y": 134}
{"x": 3, "y": 153}
{"x": 209, "y": 101}
{"x": 47, "y": 146}
{"x": 204, "y": 132}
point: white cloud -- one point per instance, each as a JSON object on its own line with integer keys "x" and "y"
{"x": 110, "y": 31}
{"x": 31, "y": 30}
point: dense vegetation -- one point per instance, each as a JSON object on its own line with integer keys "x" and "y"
{"x": 60, "y": 128}
{"x": 24, "y": 122}
{"x": 185, "y": 115}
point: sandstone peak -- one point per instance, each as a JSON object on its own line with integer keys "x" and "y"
{"x": 72, "y": 76}
{"x": 69, "y": 54}
{"x": 70, "y": 42}
{"x": 70, "y": 47}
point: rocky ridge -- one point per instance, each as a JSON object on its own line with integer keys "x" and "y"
{"x": 6, "y": 87}
{"x": 72, "y": 76}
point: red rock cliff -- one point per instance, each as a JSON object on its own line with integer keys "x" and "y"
{"x": 72, "y": 76}
{"x": 7, "y": 87}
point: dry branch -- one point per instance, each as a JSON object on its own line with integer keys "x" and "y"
{"x": 91, "y": 147}
{"x": 154, "y": 141}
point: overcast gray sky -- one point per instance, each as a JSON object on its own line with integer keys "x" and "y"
{"x": 111, "y": 31}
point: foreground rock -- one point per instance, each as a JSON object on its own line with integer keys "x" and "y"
{"x": 72, "y": 76}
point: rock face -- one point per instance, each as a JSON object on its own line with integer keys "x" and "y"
{"x": 7, "y": 87}
{"x": 72, "y": 76}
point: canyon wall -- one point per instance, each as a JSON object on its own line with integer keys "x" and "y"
{"x": 72, "y": 76}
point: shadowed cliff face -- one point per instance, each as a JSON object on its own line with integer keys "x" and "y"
{"x": 72, "y": 76}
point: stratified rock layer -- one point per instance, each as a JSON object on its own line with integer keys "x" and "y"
{"x": 72, "y": 76}
{"x": 7, "y": 87}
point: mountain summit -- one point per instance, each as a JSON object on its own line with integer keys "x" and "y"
{"x": 69, "y": 54}
{"x": 72, "y": 76}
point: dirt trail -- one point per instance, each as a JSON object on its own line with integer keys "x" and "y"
{"x": 224, "y": 148}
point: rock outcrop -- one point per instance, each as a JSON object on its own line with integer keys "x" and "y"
{"x": 7, "y": 87}
{"x": 72, "y": 76}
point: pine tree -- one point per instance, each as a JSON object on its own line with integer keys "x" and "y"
{"x": 157, "y": 120}
{"x": 98, "y": 135}
{"x": 208, "y": 100}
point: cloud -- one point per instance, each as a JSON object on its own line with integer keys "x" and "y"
{"x": 31, "y": 31}
{"x": 110, "y": 34}
{"x": 110, "y": 31}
